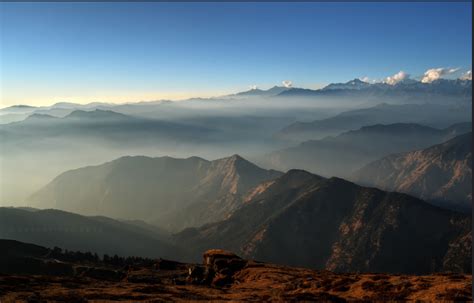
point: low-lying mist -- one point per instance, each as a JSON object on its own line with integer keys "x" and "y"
{"x": 51, "y": 140}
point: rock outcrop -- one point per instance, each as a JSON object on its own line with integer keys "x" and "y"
{"x": 219, "y": 267}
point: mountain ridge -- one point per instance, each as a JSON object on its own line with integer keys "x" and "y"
{"x": 257, "y": 92}
{"x": 433, "y": 115}
{"x": 441, "y": 173}
{"x": 455, "y": 87}
{"x": 186, "y": 191}
{"x": 356, "y": 148}
{"x": 337, "y": 225}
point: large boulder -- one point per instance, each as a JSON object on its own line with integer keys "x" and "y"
{"x": 219, "y": 267}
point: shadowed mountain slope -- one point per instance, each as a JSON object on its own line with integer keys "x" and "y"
{"x": 305, "y": 220}
{"x": 75, "y": 232}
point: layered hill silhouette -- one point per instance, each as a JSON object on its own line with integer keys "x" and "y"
{"x": 441, "y": 174}
{"x": 304, "y": 220}
{"x": 106, "y": 125}
{"x": 172, "y": 193}
{"x": 341, "y": 155}
{"x": 80, "y": 233}
{"x": 434, "y": 115}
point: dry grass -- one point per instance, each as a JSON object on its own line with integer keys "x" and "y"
{"x": 256, "y": 282}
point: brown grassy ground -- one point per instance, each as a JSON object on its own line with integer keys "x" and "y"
{"x": 255, "y": 282}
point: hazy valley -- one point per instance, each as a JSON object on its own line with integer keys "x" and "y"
{"x": 379, "y": 180}
{"x": 253, "y": 151}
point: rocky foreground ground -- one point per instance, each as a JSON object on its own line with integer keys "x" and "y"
{"x": 224, "y": 276}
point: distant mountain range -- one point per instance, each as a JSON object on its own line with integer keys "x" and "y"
{"x": 172, "y": 193}
{"x": 342, "y": 155}
{"x": 75, "y": 232}
{"x": 304, "y": 220}
{"x": 407, "y": 89}
{"x": 433, "y": 115}
{"x": 355, "y": 84}
{"x": 442, "y": 91}
{"x": 441, "y": 173}
{"x": 256, "y": 92}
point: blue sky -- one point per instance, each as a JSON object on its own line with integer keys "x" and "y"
{"x": 117, "y": 52}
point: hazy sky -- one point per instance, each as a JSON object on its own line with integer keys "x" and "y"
{"x": 117, "y": 52}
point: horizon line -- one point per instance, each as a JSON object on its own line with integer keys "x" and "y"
{"x": 230, "y": 94}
